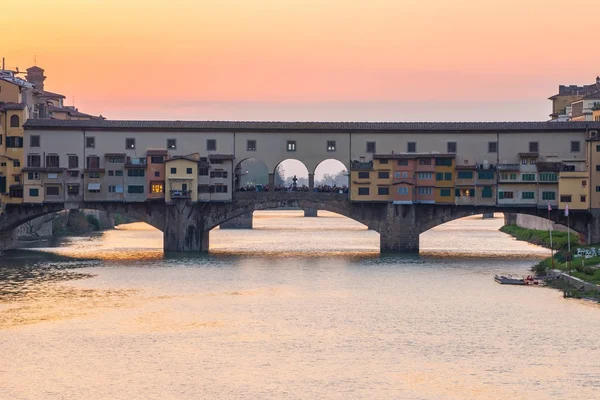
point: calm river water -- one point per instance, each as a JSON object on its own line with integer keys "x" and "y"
{"x": 299, "y": 308}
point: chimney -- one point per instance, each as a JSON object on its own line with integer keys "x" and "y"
{"x": 598, "y": 80}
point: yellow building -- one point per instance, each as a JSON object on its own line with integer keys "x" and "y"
{"x": 371, "y": 181}
{"x": 181, "y": 178}
{"x": 573, "y": 189}
{"x": 444, "y": 179}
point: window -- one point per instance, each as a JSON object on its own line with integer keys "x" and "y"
{"x": 251, "y": 145}
{"x": 34, "y": 192}
{"x": 188, "y": 170}
{"x": 93, "y": 162}
{"x": 111, "y": 173}
{"x": 116, "y": 160}
{"x": 582, "y": 198}
{"x": 565, "y": 198}
{"x": 486, "y": 192}
{"x": 52, "y": 161}
{"x": 397, "y": 175}
{"x": 14, "y": 122}
{"x": 16, "y": 163}
{"x": 464, "y": 192}
{"x": 425, "y": 161}
{"x": 218, "y": 174}
{"x": 115, "y": 189}
{"x": 220, "y": 188}
{"x": 156, "y": 174}
{"x": 173, "y": 170}
{"x": 575, "y": 147}
{"x": 424, "y": 191}
{"x": 15, "y": 142}
{"x": 448, "y": 176}
{"x": 136, "y": 172}
{"x": 548, "y": 177}
{"x": 384, "y": 161}
{"x": 156, "y": 159}
{"x": 370, "y": 147}
{"x": 445, "y": 192}
{"x": 533, "y": 147}
{"x": 73, "y": 190}
{"x": 506, "y": 195}
{"x": 439, "y": 176}
{"x": 52, "y": 191}
{"x": 171, "y": 144}
{"x": 523, "y": 161}
{"x": 119, "y": 173}
{"x": 528, "y": 195}
{"x": 34, "y": 141}
{"x": 528, "y": 177}
{"x": 597, "y": 147}
{"x": 383, "y": 175}
{"x": 203, "y": 171}
{"x": 485, "y": 174}
{"x": 492, "y": 147}
{"x": 451, "y": 147}
{"x": 331, "y": 145}
{"x": 157, "y": 187}
{"x": 73, "y": 162}
{"x": 74, "y": 174}
{"x": 444, "y": 162}
{"x": 211, "y": 144}
{"x": 130, "y": 143}
{"x": 17, "y": 179}
{"x": 94, "y": 175}
{"x": 135, "y": 189}
{"x": 583, "y": 183}
{"x": 111, "y": 188}
{"x": 363, "y": 174}
{"x": 465, "y": 174}
{"x": 291, "y": 145}
{"x": 411, "y": 147}
{"x": 203, "y": 189}
{"x": 548, "y": 195}
{"x": 402, "y": 190}
{"x": 90, "y": 142}
{"x": 16, "y": 192}
{"x": 363, "y": 191}
{"x": 425, "y": 175}
{"x": 402, "y": 162}
{"x": 33, "y": 176}
{"x": 404, "y": 174}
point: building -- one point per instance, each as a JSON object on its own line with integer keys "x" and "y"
{"x": 567, "y": 95}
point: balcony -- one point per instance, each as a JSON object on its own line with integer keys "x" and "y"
{"x": 136, "y": 163}
{"x": 181, "y": 194}
{"x": 509, "y": 167}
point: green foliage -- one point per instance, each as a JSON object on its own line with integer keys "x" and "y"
{"x": 93, "y": 222}
{"x": 541, "y": 238}
{"x": 122, "y": 219}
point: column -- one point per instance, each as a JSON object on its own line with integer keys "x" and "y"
{"x": 272, "y": 182}
{"x": 311, "y": 182}
{"x": 8, "y": 239}
{"x": 399, "y": 232}
{"x": 310, "y": 212}
{"x": 243, "y": 221}
{"x": 183, "y": 229}
{"x": 510, "y": 218}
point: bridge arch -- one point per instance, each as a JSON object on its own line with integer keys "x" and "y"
{"x": 286, "y": 169}
{"x": 250, "y": 172}
{"x": 337, "y": 175}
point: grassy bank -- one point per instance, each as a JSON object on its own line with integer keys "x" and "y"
{"x": 586, "y": 268}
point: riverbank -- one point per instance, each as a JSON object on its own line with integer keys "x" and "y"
{"x": 584, "y": 264}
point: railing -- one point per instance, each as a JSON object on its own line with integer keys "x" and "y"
{"x": 135, "y": 162}
{"x": 181, "y": 194}
{"x": 509, "y": 167}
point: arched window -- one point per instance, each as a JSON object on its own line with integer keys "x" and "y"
{"x": 14, "y": 121}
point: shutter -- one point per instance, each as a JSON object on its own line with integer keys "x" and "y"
{"x": 457, "y": 192}
{"x": 472, "y": 193}
{"x": 2, "y": 184}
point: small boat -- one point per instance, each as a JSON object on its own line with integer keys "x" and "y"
{"x": 509, "y": 280}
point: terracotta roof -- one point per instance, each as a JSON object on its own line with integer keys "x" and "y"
{"x": 34, "y": 68}
{"x": 229, "y": 126}
{"x": 175, "y": 158}
{"x": 221, "y": 157}
{"x": 12, "y": 106}
{"x": 532, "y": 155}
{"x": 156, "y": 152}
{"x": 394, "y": 156}
{"x": 46, "y": 93}
{"x": 71, "y": 111}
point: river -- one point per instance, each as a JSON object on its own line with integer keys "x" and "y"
{"x": 298, "y": 308}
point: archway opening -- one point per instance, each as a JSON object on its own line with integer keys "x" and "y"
{"x": 291, "y": 175}
{"x": 331, "y": 175}
{"x": 251, "y": 175}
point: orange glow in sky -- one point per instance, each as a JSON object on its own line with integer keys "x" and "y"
{"x": 305, "y": 59}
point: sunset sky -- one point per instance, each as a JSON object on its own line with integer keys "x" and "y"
{"x": 395, "y": 60}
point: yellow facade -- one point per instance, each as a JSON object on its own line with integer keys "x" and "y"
{"x": 372, "y": 183}
{"x": 573, "y": 189}
{"x": 181, "y": 179}
{"x": 444, "y": 180}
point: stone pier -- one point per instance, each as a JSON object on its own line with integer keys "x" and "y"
{"x": 8, "y": 239}
{"x": 184, "y": 228}
{"x": 310, "y": 212}
{"x": 510, "y": 218}
{"x": 244, "y": 221}
{"x": 399, "y": 230}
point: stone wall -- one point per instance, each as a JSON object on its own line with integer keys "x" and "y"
{"x": 541, "y": 224}
{"x": 37, "y": 228}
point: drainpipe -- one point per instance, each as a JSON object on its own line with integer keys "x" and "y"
{"x": 497, "y": 170}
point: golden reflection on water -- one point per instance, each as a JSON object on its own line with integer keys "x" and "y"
{"x": 308, "y": 312}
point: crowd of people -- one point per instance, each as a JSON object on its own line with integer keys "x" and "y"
{"x": 294, "y": 188}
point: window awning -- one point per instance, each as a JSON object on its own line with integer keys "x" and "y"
{"x": 93, "y": 186}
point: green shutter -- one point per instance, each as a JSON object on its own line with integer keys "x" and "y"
{"x": 448, "y": 176}
{"x": 486, "y": 192}
{"x": 471, "y": 192}
{"x": 457, "y": 192}
{"x": 2, "y": 184}
{"x": 439, "y": 176}
{"x": 500, "y": 195}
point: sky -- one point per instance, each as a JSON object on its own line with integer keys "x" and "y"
{"x": 300, "y": 60}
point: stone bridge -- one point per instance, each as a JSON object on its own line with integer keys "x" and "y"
{"x": 186, "y": 225}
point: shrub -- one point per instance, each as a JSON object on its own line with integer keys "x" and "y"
{"x": 93, "y": 221}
